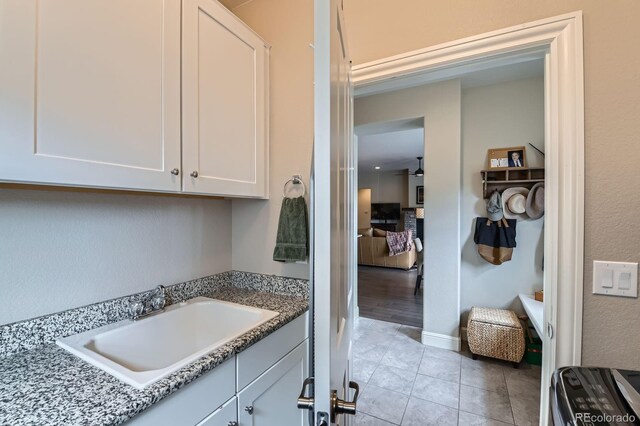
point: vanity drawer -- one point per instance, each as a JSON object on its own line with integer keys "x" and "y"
{"x": 258, "y": 358}
{"x": 194, "y": 402}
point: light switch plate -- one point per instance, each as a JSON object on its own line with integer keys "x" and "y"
{"x": 615, "y": 278}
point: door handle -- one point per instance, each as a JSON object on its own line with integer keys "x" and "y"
{"x": 305, "y": 402}
{"x": 338, "y": 406}
{"x": 549, "y": 330}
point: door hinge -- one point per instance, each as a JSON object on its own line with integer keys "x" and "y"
{"x": 323, "y": 419}
{"x": 306, "y": 402}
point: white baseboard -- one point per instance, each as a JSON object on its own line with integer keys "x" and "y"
{"x": 441, "y": 341}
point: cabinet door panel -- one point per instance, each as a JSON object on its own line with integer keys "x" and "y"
{"x": 223, "y": 416}
{"x": 227, "y": 100}
{"x": 91, "y": 93}
{"x": 224, "y": 123}
{"x": 273, "y": 395}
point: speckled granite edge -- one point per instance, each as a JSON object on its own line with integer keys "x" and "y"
{"x": 32, "y": 333}
{"x": 53, "y": 387}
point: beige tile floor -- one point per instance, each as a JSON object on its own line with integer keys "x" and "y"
{"x": 406, "y": 383}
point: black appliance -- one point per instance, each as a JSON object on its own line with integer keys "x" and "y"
{"x": 595, "y": 396}
{"x": 385, "y": 212}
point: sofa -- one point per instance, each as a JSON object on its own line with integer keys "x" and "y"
{"x": 374, "y": 251}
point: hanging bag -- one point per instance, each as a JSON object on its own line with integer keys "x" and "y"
{"x": 495, "y": 240}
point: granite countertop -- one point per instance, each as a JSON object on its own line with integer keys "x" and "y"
{"x": 49, "y": 386}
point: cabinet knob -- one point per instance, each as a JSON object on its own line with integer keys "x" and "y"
{"x": 249, "y": 409}
{"x": 233, "y": 423}
{"x": 194, "y": 174}
{"x": 175, "y": 172}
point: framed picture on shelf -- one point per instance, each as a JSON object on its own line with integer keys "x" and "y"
{"x": 420, "y": 194}
{"x": 507, "y": 158}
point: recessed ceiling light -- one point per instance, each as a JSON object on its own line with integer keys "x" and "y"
{"x": 377, "y": 167}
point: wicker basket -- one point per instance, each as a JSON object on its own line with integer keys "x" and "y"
{"x": 496, "y": 333}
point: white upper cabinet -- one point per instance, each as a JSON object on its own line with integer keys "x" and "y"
{"x": 133, "y": 94}
{"x": 224, "y": 103}
{"x": 90, "y": 93}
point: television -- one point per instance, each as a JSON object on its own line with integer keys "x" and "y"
{"x": 385, "y": 212}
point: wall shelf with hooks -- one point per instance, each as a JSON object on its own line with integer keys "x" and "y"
{"x": 502, "y": 179}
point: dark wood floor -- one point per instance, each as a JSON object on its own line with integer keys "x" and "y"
{"x": 387, "y": 294}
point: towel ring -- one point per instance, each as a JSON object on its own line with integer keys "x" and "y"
{"x": 296, "y": 180}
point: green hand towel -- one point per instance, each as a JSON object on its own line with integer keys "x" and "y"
{"x": 292, "y": 241}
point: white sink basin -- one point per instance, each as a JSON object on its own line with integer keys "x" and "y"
{"x": 145, "y": 351}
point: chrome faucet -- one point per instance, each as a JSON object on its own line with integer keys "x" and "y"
{"x": 153, "y": 305}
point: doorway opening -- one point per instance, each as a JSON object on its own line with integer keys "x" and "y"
{"x": 499, "y": 107}
{"x": 390, "y": 199}
{"x": 559, "y": 41}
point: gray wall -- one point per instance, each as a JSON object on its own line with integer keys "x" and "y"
{"x": 61, "y": 250}
{"x": 439, "y": 105}
{"x": 386, "y": 186}
{"x": 500, "y": 115}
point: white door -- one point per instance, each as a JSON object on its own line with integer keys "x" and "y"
{"x": 333, "y": 219}
{"x": 270, "y": 400}
{"x": 224, "y": 94}
{"x": 364, "y": 208}
{"x": 90, "y": 93}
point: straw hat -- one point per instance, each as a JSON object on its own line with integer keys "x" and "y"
{"x": 514, "y": 203}
{"x": 535, "y": 201}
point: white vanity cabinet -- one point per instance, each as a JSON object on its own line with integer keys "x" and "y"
{"x": 270, "y": 399}
{"x": 257, "y": 387}
{"x": 90, "y": 93}
{"x": 223, "y": 416}
{"x": 150, "y": 95}
{"x": 224, "y": 103}
{"x": 193, "y": 403}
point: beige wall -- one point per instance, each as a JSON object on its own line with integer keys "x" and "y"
{"x": 612, "y": 106}
{"x": 288, "y": 26}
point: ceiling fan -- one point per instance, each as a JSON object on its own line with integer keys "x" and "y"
{"x": 419, "y": 172}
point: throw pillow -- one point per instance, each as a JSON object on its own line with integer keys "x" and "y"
{"x": 379, "y": 232}
{"x": 366, "y": 232}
